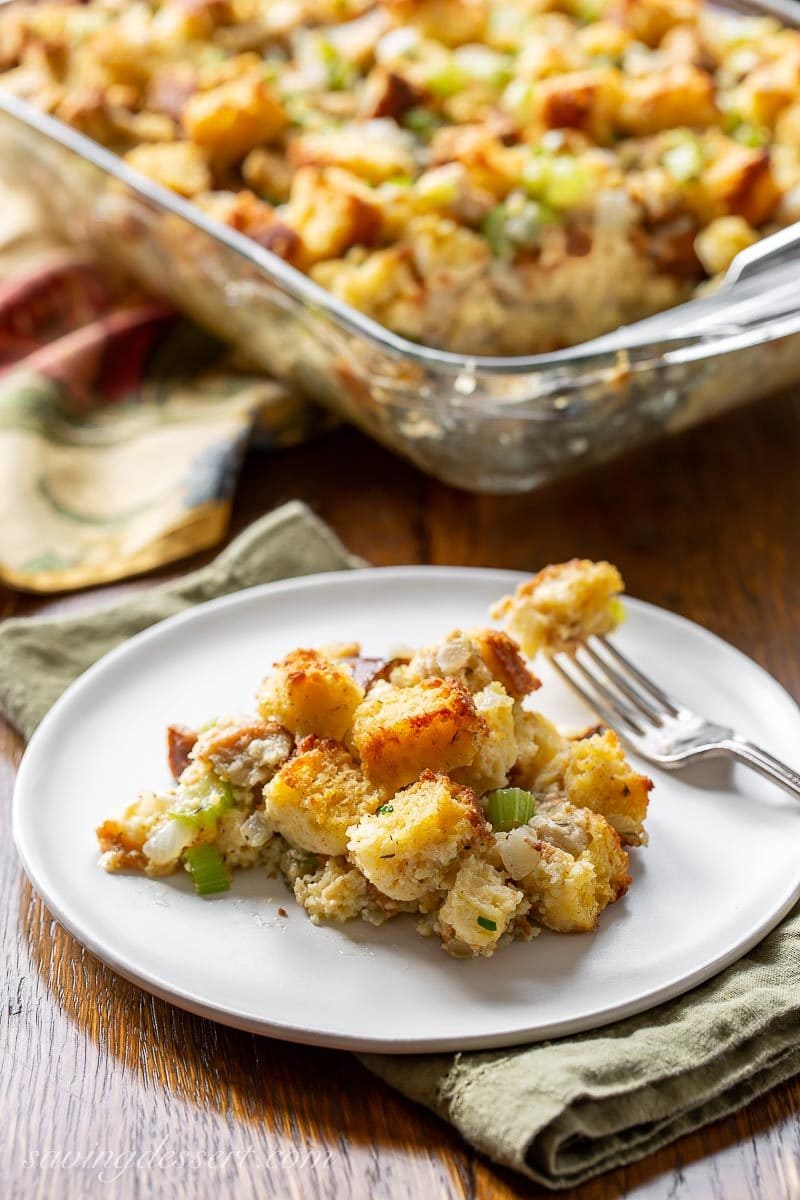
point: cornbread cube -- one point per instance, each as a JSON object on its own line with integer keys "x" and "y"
{"x": 584, "y": 100}
{"x": 400, "y": 732}
{"x": 330, "y": 211}
{"x": 650, "y": 21}
{"x": 454, "y": 22}
{"x": 374, "y": 159}
{"x": 768, "y": 90}
{"x": 740, "y": 181}
{"x": 570, "y": 864}
{"x": 541, "y": 752}
{"x": 177, "y": 165}
{"x": 718, "y": 244}
{"x": 335, "y": 892}
{"x": 268, "y": 173}
{"x": 310, "y": 693}
{"x": 676, "y": 96}
{"x": 246, "y": 751}
{"x": 405, "y": 848}
{"x": 497, "y": 746}
{"x": 475, "y": 659}
{"x": 787, "y": 127}
{"x": 599, "y": 777}
{"x": 317, "y": 795}
{"x": 492, "y": 167}
{"x": 477, "y": 909}
{"x": 562, "y": 606}
{"x": 379, "y": 284}
{"x": 231, "y": 119}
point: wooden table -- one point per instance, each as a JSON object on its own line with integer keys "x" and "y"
{"x": 706, "y": 524}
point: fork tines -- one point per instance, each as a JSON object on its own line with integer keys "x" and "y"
{"x": 617, "y": 690}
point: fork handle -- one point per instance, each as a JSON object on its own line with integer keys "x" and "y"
{"x": 766, "y": 764}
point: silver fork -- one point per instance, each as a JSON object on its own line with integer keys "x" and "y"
{"x": 655, "y": 724}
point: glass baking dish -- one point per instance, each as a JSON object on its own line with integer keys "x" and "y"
{"x": 485, "y": 424}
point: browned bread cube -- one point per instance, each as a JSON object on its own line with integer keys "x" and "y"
{"x": 399, "y": 732}
{"x": 317, "y": 795}
{"x": 563, "y": 605}
{"x": 310, "y": 693}
{"x": 598, "y": 776}
{"x": 405, "y": 848}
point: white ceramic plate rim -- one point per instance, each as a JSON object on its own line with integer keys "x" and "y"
{"x": 36, "y": 869}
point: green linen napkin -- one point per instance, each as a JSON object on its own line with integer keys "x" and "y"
{"x": 562, "y": 1111}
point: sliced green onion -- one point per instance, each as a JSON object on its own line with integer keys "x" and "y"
{"x": 509, "y": 808}
{"x": 485, "y": 923}
{"x": 201, "y": 804}
{"x": 207, "y": 870}
{"x": 386, "y": 808}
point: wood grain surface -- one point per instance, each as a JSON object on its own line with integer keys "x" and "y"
{"x": 104, "y": 1088}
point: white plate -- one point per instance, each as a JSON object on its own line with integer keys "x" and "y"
{"x": 720, "y": 871}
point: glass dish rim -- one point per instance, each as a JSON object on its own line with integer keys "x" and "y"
{"x": 672, "y": 348}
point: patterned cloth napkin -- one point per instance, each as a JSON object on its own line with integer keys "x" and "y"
{"x": 121, "y": 424}
{"x": 562, "y": 1111}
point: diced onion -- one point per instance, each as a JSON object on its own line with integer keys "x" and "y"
{"x": 167, "y": 843}
{"x": 255, "y": 830}
{"x": 518, "y": 852}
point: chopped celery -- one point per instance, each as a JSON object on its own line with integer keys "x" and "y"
{"x": 559, "y": 181}
{"x": 439, "y": 187}
{"x": 207, "y": 870}
{"x": 750, "y": 135}
{"x": 535, "y": 174}
{"x": 421, "y": 122}
{"x": 201, "y": 804}
{"x": 567, "y": 182}
{"x": 617, "y": 610}
{"x": 446, "y": 79}
{"x": 509, "y": 808}
{"x": 495, "y": 231}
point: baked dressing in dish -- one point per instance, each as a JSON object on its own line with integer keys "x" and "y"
{"x": 486, "y": 177}
{"x": 427, "y": 783}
